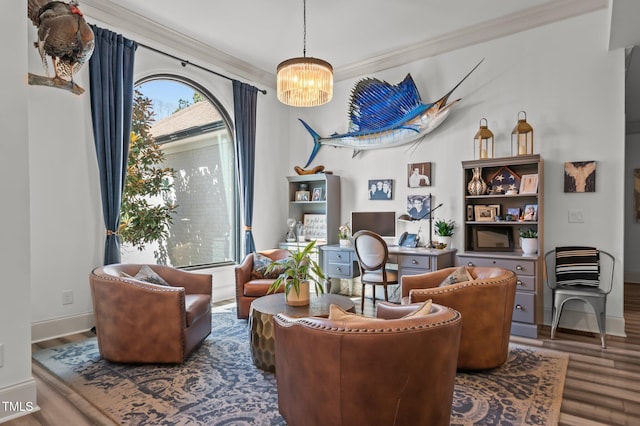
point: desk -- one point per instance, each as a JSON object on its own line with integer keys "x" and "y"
{"x": 341, "y": 262}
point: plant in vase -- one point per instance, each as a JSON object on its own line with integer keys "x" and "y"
{"x": 529, "y": 241}
{"x": 344, "y": 233}
{"x": 298, "y": 270}
{"x": 444, "y": 232}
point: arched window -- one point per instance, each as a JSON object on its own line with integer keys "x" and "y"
{"x": 193, "y": 132}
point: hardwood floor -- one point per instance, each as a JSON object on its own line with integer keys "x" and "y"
{"x": 602, "y": 386}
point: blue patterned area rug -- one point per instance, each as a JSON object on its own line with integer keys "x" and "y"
{"x": 219, "y": 385}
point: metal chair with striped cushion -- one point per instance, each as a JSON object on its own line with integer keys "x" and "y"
{"x": 580, "y": 273}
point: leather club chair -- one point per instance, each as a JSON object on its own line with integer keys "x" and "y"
{"x": 386, "y": 372}
{"x": 248, "y": 288}
{"x": 485, "y": 303}
{"x": 140, "y": 322}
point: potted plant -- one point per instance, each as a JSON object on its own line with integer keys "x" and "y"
{"x": 344, "y": 232}
{"x": 529, "y": 241}
{"x": 299, "y": 270}
{"x": 444, "y": 231}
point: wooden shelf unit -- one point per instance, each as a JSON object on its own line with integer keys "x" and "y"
{"x": 528, "y": 310}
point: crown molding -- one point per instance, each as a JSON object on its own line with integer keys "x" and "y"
{"x": 547, "y": 13}
{"x": 167, "y": 39}
{"x": 180, "y": 45}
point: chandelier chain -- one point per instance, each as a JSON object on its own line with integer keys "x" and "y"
{"x": 304, "y": 27}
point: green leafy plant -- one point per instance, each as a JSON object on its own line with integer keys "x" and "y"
{"x": 298, "y": 267}
{"x": 528, "y": 233}
{"x": 141, "y": 221}
{"x": 444, "y": 228}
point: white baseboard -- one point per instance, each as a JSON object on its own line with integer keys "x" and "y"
{"x": 18, "y": 400}
{"x": 586, "y": 321}
{"x": 54, "y": 328}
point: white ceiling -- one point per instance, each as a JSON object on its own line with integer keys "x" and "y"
{"x": 250, "y": 38}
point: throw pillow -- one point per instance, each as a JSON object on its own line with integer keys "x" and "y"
{"x": 460, "y": 275}
{"x": 260, "y": 265}
{"x": 148, "y": 275}
{"x": 336, "y": 313}
{"x": 423, "y": 310}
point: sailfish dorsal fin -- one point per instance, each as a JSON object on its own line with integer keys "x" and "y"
{"x": 377, "y": 104}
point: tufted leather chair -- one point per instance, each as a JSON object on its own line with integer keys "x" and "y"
{"x": 139, "y": 322}
{"x": 486, "y": 306}
{"x": 249, "y": 289}
{"x": 386, "y": 372}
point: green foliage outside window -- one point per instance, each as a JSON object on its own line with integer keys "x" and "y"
{"x": 141, "y": 221}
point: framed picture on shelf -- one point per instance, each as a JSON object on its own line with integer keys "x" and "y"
{"x": 529, "y": 184}
{"x": 302, "y": 195}
{"x": 513, "y": 213}
{"x": 470, "y": 213}
{"x": 317, "y": 194}
{"x": 496, "y": 208}
{"x": 530, "y": 212}
{"x": 315, "y": 226}
{"x": 484, "y": 213}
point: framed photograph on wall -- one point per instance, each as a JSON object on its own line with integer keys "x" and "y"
{"x": 529, "y": 184}
{"x": 418, "y": 206}
{"x": 580, "y": 176}
{"x": 380, "y": 189}
{"x": 419, "y": 174}
{"x": 484, "y": 213}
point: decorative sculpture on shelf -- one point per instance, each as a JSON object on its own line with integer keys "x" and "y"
{"x": 382, "y": 115}
{"x": 65, "y": 36}
{"x": 317, "y": 169}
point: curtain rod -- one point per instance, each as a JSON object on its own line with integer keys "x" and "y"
{"x": 184, "y": 63}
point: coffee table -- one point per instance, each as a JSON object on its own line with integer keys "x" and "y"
{"x": 261, "y": 328}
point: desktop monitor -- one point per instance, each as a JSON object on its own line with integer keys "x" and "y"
{"x": 382, "y": 223}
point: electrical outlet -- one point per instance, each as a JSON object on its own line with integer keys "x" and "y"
{"x": 1, "y": 355}
{"x": 67, "y": 297}
{"x": 576, "y": 216}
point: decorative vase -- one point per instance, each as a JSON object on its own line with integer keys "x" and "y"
{"x": 477, "y": 185}
{"x": 529, "y": 245}
{"x": 345, "y": 243}
{"x": 295, "y": 299}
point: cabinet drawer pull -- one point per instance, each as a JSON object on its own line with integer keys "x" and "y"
{"x": 519, "y": 268}
{"x": 470, "y": 264}
{"x": 339, "y": 269}
{"x": 339, "y": 256}
{"x": 519, "y": 283}
{"x": 413, "y": 261}
{"x": 519, "y": 307}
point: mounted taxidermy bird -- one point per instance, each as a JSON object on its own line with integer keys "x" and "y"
{"x": 63, "y": 35}
{"x": 383, "y": 115}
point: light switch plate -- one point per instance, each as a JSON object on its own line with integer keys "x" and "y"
{"x": 576, "y": 216}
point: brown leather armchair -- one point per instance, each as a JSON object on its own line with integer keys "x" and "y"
{"x": 486, "y": 306}
{"x": 395, "y": 372}
{"x": 249, "y": 289}
{"x": 140, "y": 322}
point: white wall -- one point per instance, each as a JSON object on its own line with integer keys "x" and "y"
{"x": 572, "y": 89}
{"x": 17, "y": 388}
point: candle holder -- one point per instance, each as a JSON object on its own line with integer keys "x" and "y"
{"x": 522, "y": 137}
{"x": 483, "y": 142}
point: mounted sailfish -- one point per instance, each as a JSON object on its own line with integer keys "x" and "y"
{"x": 383, "y": 115}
